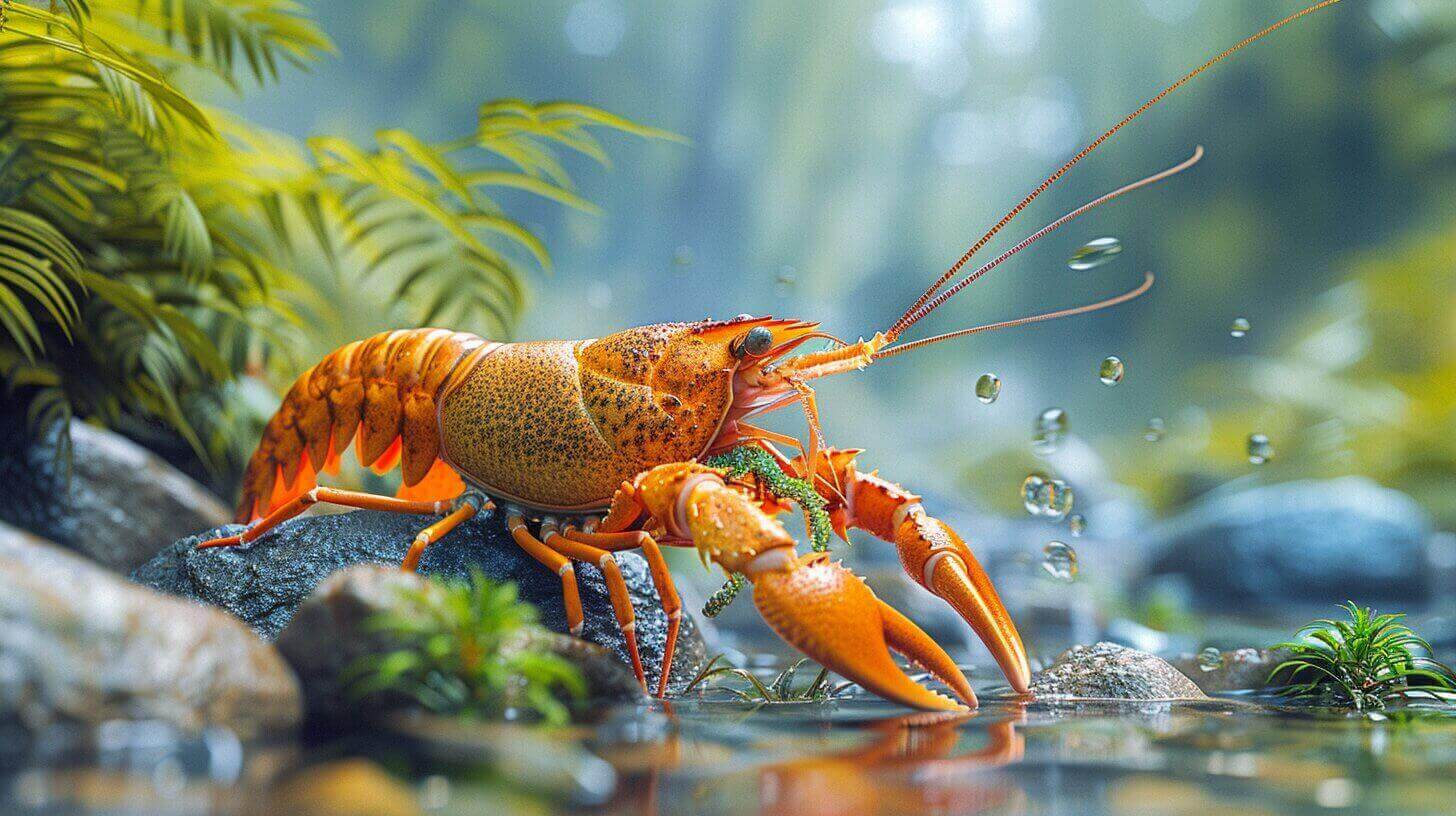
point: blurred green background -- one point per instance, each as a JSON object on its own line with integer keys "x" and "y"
{"x": 844, "y": 153}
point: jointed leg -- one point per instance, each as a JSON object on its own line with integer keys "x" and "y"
{"x": 467, "y": 506}
{"x": 661, "y": 579}
{"x": 346, "y": 498}
{"x": 554, "y": 561}
{"x": 616, "y": 587}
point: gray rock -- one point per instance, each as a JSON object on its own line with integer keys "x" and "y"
{"x": 1242, "y": 669}
{"x": 79, "y": 643}
{"x": 326, "y": 637}
{"x": 1107, "y": 671}
{"x": 119, "y": 502}
{"x": 265, "y": 583}
{"x": 1298, "y": 544}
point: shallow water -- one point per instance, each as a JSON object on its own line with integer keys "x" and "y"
{"x": 855, "y": 755}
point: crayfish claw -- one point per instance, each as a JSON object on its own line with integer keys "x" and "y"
{"x": 829, "y": 614}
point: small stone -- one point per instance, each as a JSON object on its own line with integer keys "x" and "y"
{"x": 1107, "y": 671}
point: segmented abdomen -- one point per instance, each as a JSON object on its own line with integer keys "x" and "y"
{"x": 380, "y": 393}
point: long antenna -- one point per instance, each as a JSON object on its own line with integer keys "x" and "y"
{"x": 941, "y": 298}
{"x": 1147, "y": 284}
{"x": 905, "y": 319}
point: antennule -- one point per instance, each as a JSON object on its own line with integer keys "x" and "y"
{"x": 905, "y": 320}
{"x": 1021, "y": 321}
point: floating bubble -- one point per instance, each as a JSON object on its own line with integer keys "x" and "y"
{"x": 1111, "y": 371}
{"x": 1210, "y": 659}
{"x": 1077, "y": 523}
{"x": 1260, "y": 451}
{"x": 1239, "y": 328}
{"x": 1156, "y": 429}
{"x": 1060, "y": 561}
{"x": 1051, "y": 426}
{"x": 1094, "y": 253}
{"x": 988, "y": 388}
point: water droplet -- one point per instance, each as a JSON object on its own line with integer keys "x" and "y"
{"x": 1051, "y": 426}
{"x": 1031, "y": 491}
{"x": 682, "y": 256}
{"x": 1111, "y": 371}
{"x": 1239, "y": 328}
{"x": 1042, "y": 496}
{"x": 1260, "y": 451}
{"x": 1210, "y": 659}
{"x": 988, "y": 388}
{"x": 1156, "y": 429}
{"x": 1060, "y": 561}
{"x": 1094, "y": 253}
{"x": 1057, "y": 499}
{"x": 1077, "y": 523}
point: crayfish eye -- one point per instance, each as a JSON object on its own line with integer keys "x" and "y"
{"x": 755, "y": 343}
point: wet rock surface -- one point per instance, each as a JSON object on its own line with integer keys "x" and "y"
{"x": 265, "y": 583}
{"x": 1298, "y": 543}
{"x": 327, "y": 635}
{"x": 120, "y": 500}
{"x": 1242, "y": 669}
{"x": 1107, "y": 671}
{"x": 79, "y": 643}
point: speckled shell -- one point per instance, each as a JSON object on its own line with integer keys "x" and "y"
{"x": 559, "y": 425}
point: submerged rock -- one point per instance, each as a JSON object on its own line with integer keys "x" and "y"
{"x": 1241, "y": 670}
{"x": 1297, "y": 544}
{"x": 327, "y": 635}
{"x": 265, "y": 583}
{"x": 1107, "y": 671}
{"x": 81, "y": 644}
{"x": 119, "y": 501}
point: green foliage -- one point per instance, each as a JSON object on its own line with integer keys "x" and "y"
{"x": 778, "y": 690}
{"x": 457, "y": 653}
{"x": 153, "y": 249}
{"x": 1365, "y": 662}
{"x": 746, "y": 459}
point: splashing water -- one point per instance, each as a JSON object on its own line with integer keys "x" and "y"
{"x": 1094, "y": 253}
{"x": 1060, "y": 561}
{"x": 988, "y": 388}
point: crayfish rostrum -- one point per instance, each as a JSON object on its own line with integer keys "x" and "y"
{"x": 594, "y": 446}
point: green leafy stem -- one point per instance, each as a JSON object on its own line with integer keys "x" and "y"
{"x": 747, "y": 459}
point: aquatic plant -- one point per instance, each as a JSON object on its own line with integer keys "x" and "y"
{"x": 1365, "y": 662}
{"x": 780, "y": 689}
{"x": 457, "y": 651}
{"x": 153, "y": 249}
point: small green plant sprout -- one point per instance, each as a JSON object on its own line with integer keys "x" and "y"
{"x": 1365, "y": 662}
{"x": 457, "y": 651}
{"x": 778, "y": 690}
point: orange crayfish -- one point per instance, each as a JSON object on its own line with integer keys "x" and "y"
{"x": 597, "y": 445}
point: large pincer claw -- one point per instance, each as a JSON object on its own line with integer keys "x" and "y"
{"x": 935, "y": 557}
{"x": 829, "y": 614}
